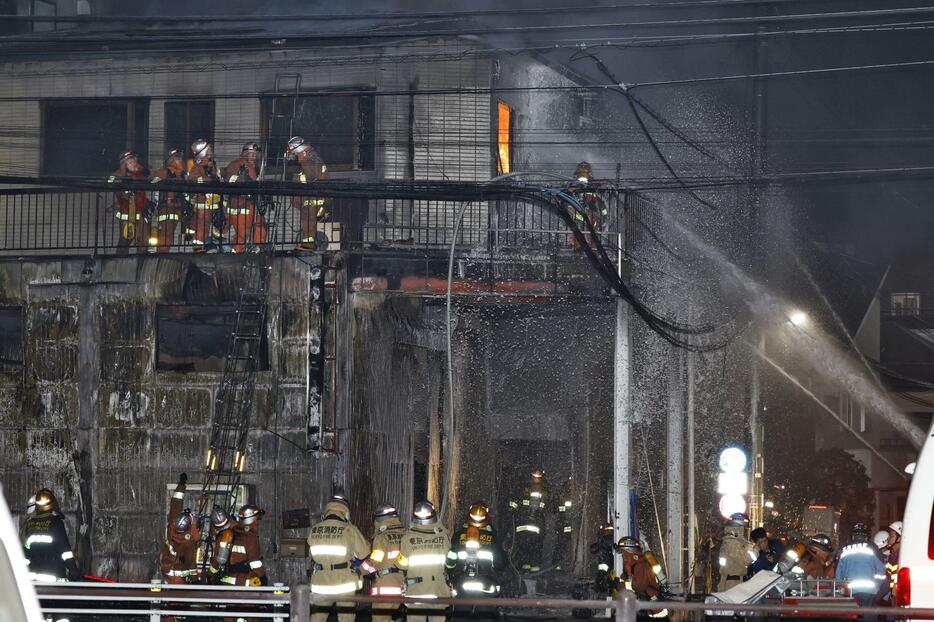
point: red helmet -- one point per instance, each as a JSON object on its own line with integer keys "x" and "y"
{"x": 128, "y": 155}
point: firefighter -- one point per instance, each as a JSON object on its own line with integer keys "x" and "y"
{"x": 207, "y": 206}
{"x": 528, "y": 524}
{"x": 564, "y": 532}
{"x": 248, "y": 225}
{"x": 387, "y": 579}
{"x": 638, "y": 574}
{"x": 45, "y": 542}
{"x": 862, "y": 568}
{"x": 244, "y": 566}
{"x": 222, "y": 535}
{"x": 310, "y": 209}
{"x": 476, "y": 557}
{"x": 178, "y": 559}
{"x": 422, "y": 556}
{"x": 894, "y": 545}
{"x": 130, "y": 206}
{"x": 337, "y": 548}
{"x": 594, "y": 209}
{"x": 813, "y": 559}
{"x": 735, "y": 552}
{"x": 170, "y": 206}
{"x": 605, "y": 579}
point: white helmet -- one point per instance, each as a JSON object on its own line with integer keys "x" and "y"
{"x": 896, "y": 527}
{"x": 200, "y": 149}
{"x": 881, "y": 539}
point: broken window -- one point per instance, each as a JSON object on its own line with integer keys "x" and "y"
{"x": 85, "y": 138}
{"x": 193, "y": 338}
{"x": 187, "y": 121}
{"x": 341, "y": 128}
{"x": 503, "y": 138}
{"x": 906, "y": 304}
{"x": 11, "y": 338}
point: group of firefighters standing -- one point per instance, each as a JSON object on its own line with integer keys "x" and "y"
{"x": 867, "y": 567}
{"x": 149, "y": 220}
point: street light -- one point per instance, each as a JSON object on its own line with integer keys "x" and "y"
{"x": 798, "y": 318}
{"x": 733, "y": 481}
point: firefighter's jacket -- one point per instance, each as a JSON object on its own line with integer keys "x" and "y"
{"x": 891, "y": 567}
{"x": 529, "y": 511}
{"x": 312, "y": 169}
{"x": 388, "y": 579}
{"x": 640, "y": 578}
{"x": 167, "y": 202}
{"x": 129, "y": 206}
{"x": 422, "y": 554}
{"x": 179, "y": 554}
{"x": 734, "y": 556}
{"x": 862, "y": 568}
{"x": 605, "y": 575}
{"x": 205, "y": 173}
{"x": 46, "y": 548}
{"x": 245, "y": 565}
{"x": 475, "y": 560}
{"x": 336, "y": 547}
{"x": 812, "y": 566}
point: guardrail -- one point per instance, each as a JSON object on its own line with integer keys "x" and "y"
{"x": 153, "y": 602}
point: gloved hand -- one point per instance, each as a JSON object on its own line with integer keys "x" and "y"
{"x": 183, "y": 478}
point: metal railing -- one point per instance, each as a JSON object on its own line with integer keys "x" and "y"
{"x": 85, "y": 220}
{"x": 152, "y": 602}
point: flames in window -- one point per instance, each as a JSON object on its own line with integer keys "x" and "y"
{"x": 503, "y": 134}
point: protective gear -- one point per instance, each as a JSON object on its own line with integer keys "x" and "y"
{"x": 201, "y": 149}
{"x": 206, "y": 205}
{"x": 422, "y": 554}
{"x": 860, "y": 532}
{"x": 628, "y": 544}
{"x": 174, "y": 154}
{"x": 603, "y": 550}
{"x": 582, "y": 172}
{"x": 171, "y": 207}
{"x": 45, "y": 500}
{"x": 311, "y": 209}
{"x": 250, "y": 146}
{"x": 179, "y": 557}
{"x": 821, "y": 542}
{"x": 862, "y": 569}
{"x": 129, "y": 206}
{"x": 45, "y": 542}
{"x": 128, "y": 155}
{"x": 31, "y": 505}
{"x": 881, "y": 539}
{"x": 219, "y": 518}
{"x": 296, "y": 145}
{"x": 478, "y": 515}
{"x": 384, "y": 512}
{"x": 896, "y": 527}
{"x": 336, "y": 548}
{"x": 424, "y": 513}
{"x": 735, "y": 553}
{"x": 387, "y": 579}
{"x": 248, "y": 225}
{"x": 529, "y": 516}
{"x": 739, "y": 520}
{"x": 249, "y": 514}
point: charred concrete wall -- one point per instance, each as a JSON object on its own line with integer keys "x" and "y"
{"x": 92, "y": 416}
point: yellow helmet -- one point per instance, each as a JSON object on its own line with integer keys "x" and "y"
{"x": 478, "y": 515}
{"x": 46, "y": 501}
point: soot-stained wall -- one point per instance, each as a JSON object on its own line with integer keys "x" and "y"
{"x": 90, "y": 415}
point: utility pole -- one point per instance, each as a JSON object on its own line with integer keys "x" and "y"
{"x": 622, "y": 424}
{"x": 675, "y": 528}
{"x": 692, "y": 492}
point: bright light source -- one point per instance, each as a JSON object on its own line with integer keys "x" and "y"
{"x": 732, "y": 460}
{"x": 798, "y": 318}
{"x": 732, "y": 504}
{"x": 732, "y": 484}
{"x": 910, "y": 469}
{"x": 770, "y": 504}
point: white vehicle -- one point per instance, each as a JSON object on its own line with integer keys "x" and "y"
{"x": 915, "y": 586}
{"x": 18, "y": 602}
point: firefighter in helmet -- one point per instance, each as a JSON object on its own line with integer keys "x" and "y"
{"x": 528, "y": 513}
{"x": 310, "y": 209}
{"x": 386, "y": 578}
{"x": 735, "y": 553}
{"x": 337, "y": 549}
{"x": 477, "y": 558}
{"x": 208, "y": 207}
{"x": 812, "y": 559}
{"x": 594, "y": 210}
{"x": 222, "y": 535}
{"x": 45, "y": 542}
{"x": 422, "y": 555}
{"x": 639, "y": 575}
{"x": 178, "y": 559}
{"x": 862, "y": 568}
{"x": 602, "y": 549}
{"x": 248, "y": 225}
{"x": 130, "y": 205}
{"x": 244, "y": 566}
{"x": 170, "y": 206}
